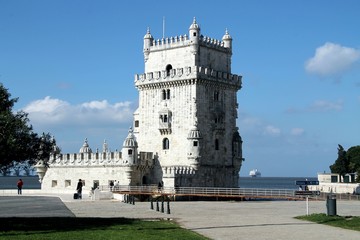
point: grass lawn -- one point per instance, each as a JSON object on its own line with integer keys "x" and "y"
{"x": 347, "y": 222}
{"x": 91, "y": 228}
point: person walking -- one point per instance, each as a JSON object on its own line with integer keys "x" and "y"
{"x": 20, "y": 184}
{"x": 79, "y": 188}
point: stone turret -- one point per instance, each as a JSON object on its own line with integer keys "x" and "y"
{"x": 105, "y": 147}
{"x": 129, "y": 149}
{"x": 227, "y": 39}
{"x": 194, "y": 34}
{"x": 194, "y": 138}
{"x": 85, "y": 147}
{"x": 148, "y": 42}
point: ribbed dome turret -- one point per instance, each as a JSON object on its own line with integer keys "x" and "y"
{"x": 85, "y": 148}
{"x": 194, "y": 25}
{"x": 194, "y": 133}
{"x": 148, "y": 34}
{"x": 130, "y": 141}
{"x": 227, "y": 35}
{"x": 227, "y": 39}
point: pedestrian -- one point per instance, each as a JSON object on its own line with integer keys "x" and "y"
{"x": 20, "y": 184}
{"x": 111, "y": 185}
{"x": 79, "y": 188}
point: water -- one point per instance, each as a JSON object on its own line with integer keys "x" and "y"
{"x": 244, "y": 182}
{"x": 29, "y": 182}
{"x": 272, "y": 182}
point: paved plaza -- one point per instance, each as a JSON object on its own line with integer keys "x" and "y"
{"x": 216, "y": 220}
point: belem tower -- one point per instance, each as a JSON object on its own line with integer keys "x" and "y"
{"x": 184, "y": 131}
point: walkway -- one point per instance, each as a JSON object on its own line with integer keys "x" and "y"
{"x": 259, "y": 220}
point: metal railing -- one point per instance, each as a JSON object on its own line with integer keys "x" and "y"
{"x": 203, "y": 191}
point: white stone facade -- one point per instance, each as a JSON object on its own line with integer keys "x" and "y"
{"x": 184, "y": 131}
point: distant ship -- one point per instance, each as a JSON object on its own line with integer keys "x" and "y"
{"x": 255, "y": 173}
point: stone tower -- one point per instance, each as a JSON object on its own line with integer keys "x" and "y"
{"x": 188, "y": 109}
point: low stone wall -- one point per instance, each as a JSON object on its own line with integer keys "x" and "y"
{"x": 349, "y": 188}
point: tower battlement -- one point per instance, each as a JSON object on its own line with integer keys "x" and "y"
{"x": 183, "y": 40}
{"x": 193, "y": 72}
{"x": 98, "y": 159}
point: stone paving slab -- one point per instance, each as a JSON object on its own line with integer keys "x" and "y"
{"x": 217, "y": 220}
{"x": 33, "y": 206}
{"x": 233, "y": 220}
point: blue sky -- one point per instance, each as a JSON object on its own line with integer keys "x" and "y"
{"x": 72, "y": 65}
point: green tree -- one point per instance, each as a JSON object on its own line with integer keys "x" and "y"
{"x": 353, "y": 156}
{"x": 18, "y": 142}
{"x": 341, "y": 165}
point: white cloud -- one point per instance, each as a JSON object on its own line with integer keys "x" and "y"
{"x": 332, "y": 59}
{"x": 297, "y": 131}
{"x": 50, "y": 111}
{"x": 324, "y": 106}
{"x": 271, "y": 130}
{"x": 318, "y": 106}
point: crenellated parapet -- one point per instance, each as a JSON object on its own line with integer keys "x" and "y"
{"x": 167, "y": 42}
{"x": 183, "y": 40}
{"x": 186, "y": 73}
{"x": 212, "y": 42}
{"x": 98, "y": 159}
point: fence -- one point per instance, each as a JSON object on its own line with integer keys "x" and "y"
{"x": 203, "y": 191}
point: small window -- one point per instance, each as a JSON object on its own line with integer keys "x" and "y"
{"x": 67, "y": 183}
{"x": 130, "y": 151}
{"x": 194, "y": 34}
{"x": 195, "y": 143}
{"x": 137, "y": 123}
{"x": 165, "y": 143}
{"x": 54, "y": 183}
{"x": 165, "y": 119}
{"x": 216, "y": 144}
{"x": 168, "y": 94}
{"x": 216, "y": 95}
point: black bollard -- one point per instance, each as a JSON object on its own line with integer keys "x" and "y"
{"x": 157, "y": 205}
{"x": 133, "y": 198}
{"x": 162, "y": 205}
{"x": 151, "y": 204}
{"x": 168, "y": 207}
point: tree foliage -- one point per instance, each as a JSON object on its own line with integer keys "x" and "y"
{"x": 18, "y": 141}
{"x": 347, "y": 161}
{"x": 341, "y": 165}
{"x": 353, "y": 156}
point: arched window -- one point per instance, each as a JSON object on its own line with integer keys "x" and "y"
{"x": 216, "y": 144}
{"x": 216, "y": 96}
{"x": 165, "y": 143}
{"x": 168, "y": 68}
{"x": 165, "y": 94}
